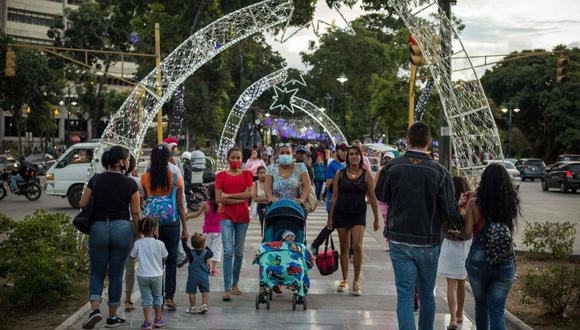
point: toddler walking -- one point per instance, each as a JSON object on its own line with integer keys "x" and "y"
{"x": 211, "y": 228}
{"x": 198, "y": 272}
{"x": 150, "y": 254}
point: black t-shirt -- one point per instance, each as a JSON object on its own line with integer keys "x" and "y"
{"x": 112, "y": 196}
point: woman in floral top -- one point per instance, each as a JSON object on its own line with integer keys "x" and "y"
{"x": 284, "y": 179}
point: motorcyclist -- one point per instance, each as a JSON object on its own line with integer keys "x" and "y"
{"x": 18, "y": 177}
{"x": 187, "y": 169}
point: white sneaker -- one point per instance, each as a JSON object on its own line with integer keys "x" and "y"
{"x": 203, "y": 309}
{"x": 192, "y": 310}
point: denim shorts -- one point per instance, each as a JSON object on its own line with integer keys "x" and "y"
{"x": 197, "y": 282}
{"x": 151, "y": 290}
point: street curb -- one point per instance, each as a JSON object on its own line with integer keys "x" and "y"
{"x": 68, "y": 323}
{"x": 511, "y": 318}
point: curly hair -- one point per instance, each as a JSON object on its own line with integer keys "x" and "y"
{"x": 496, "y": 196}
{"x": 159, "y": 167}
{"x": 197, "y": 241}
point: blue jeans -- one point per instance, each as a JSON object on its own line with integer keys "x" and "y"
{"x": 490, "y": 285}
{"x": 233, "y": 241}
{"x": 109, "y": 245}
{"x": 151, "y": 289}
{"x": 15, "y": 180}
{"x": 170, "y": 236}
{"x": 318, "y": 185}
{"x": 415, "y": 266}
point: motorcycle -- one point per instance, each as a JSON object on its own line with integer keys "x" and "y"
{"x": 30, "y": 188}
{"x": 197, "y": 193}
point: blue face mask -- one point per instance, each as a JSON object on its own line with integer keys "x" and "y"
{"x": 285, "y": 159}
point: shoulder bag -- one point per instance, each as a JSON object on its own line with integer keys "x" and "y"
{"x": 82, "y": 221}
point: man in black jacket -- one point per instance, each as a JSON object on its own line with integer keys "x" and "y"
{"x": 420, "y": 196}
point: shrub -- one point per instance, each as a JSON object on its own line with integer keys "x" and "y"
{"x": 555, "y": 236}
{"x": 557, "y": 286}
{"x": 42, "y": 256}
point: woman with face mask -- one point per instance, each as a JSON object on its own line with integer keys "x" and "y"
{"x": 233, "y": 187}
{"x": 283, "y": 180}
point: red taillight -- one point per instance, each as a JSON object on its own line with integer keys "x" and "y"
{"x": 568, "y": 174}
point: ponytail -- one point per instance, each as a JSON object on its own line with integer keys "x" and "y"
{"x": 105, "y": 159}
{"x": 148, "y": 225}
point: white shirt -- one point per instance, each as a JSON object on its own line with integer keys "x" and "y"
{"x": 269, "y": 150}
{"x": 149, "y": 253}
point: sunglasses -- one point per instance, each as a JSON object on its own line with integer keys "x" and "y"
{"x": 287, "y": 144}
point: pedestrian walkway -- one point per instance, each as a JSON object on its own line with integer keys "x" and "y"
{"x": 327, "y": 309}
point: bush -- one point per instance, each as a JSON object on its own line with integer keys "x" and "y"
{"x": 42, "y": 256}
{"x": 557, "y": 286}
{"x": 555, "y": 236}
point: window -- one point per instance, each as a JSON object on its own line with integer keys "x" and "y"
{"x": 10, "y": 126}
{"x": 536, "y": 162}
{"x": 30, "y": 17}
{"x": 76, "y": 2}
{"x": 78, "y": 156}
{"x": 28, "y": 40}
{"x": 574, "y": 168}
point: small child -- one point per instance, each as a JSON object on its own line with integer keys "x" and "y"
{"x": 198, "y": 272}
{"x": 150, "y": 254}
{"x": 288, "y": 236}
{"x": 211, "y": 228}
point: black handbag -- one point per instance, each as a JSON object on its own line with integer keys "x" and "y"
{"x": 82, "y": 221}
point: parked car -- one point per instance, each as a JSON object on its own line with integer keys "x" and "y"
{"x": 7, "y": 163}
{"x": 531, "y": 168}
{"x": 513, "y": 172}
{"x": 511, "y": 160}
{"x": 568, "y": 158}
{"x": 66, "y": 177}
{"x": 562, "y": 175}
{"x": 43, "y": 161}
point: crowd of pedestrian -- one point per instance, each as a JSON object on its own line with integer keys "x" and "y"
{"x": 433, "y": 224}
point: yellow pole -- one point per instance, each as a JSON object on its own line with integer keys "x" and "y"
{"x": 412, "y": 94}
{"x": 158, "y": 65}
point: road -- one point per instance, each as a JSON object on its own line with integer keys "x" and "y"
{"x": 537, "y": 206}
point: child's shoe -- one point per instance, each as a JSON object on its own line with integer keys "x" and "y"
{"x": 203, "y": 309}
{"x": 159, "y": 323}
{"x": 147, "y": 326}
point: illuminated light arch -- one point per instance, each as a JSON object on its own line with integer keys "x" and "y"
{"x": 471, "y": 124}
{"x": 129, "y": 124}
{"x": 251, "y": 94}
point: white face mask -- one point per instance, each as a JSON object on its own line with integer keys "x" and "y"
{"x": 285, "y": 159}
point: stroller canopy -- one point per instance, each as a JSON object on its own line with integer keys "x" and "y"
{"x": 284, "y": 215}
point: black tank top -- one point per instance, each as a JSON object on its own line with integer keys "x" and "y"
{"x": 351, "y": 197}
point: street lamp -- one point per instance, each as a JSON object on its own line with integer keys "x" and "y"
{"x": 509, "y": 108}
{"x": 342, "y": 79}
{"x": 328, "y": 98}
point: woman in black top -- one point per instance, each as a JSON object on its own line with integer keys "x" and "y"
{"x": 348, "y": 211}
{"x": 111, "y": 235}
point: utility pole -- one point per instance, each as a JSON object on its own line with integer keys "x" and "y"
{"x": 445, "y": 143}
{"x": 158, "y": 69}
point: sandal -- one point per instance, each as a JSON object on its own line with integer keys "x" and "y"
{"x": 227, "y": 296}
{"x": 343, "y": 286}
{"x": 170, "y": 305}
{"x": 356, "y": 291}
{"x": 129, "y": 306}
{"x": 236, "y": 291}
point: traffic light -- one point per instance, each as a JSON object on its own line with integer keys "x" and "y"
{"x": 10, "y": 63}
{"x": 416, "y": 56}
{"x": 561, "y": 68}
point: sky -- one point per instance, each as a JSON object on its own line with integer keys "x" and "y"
{"x": 491, "y": 26}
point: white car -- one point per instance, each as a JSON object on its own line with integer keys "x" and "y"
{"x": 513, "y": 172}
{"x": 66, "y": 178}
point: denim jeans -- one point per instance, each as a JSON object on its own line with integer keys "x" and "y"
{"x": 151, "y": 290}
{"x": 109, "y": 245}
{"x": 170, "y": 236}
{"x": 318, "y": 185}
{"x": 15, "y": 180}
{"x": 490, "y": 285}
{"x": 233, "y": 241}
{"x": 415, "y": 266}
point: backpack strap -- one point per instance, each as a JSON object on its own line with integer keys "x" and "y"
{"x": 173, "y": 194}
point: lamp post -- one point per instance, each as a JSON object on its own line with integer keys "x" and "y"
{"x": 342, "y": 79}
{"x": 328, "y": 98}
{"x": 509, "y": 108}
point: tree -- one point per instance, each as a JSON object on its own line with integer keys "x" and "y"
{"x": 550, "y": 112}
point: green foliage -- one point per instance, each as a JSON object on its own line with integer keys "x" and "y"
{"x": 550, "y": 111}
{"x": 42, "y": 256}
{"x": 557, "y": 286}
{"x": 554, "y": 236}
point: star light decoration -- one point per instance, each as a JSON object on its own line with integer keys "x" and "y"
{"x": 284, "y": 98}
{"x": 316, "y": 24}
{"x": 422, "y": 103}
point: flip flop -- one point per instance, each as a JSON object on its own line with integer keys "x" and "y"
{"x": 171, "y": 305}
{"x": 129, "y": 306}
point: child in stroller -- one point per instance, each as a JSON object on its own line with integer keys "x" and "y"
{"x": 283, "y": 258}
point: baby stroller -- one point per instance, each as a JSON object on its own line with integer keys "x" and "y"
{"x": 284, "y": 263}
